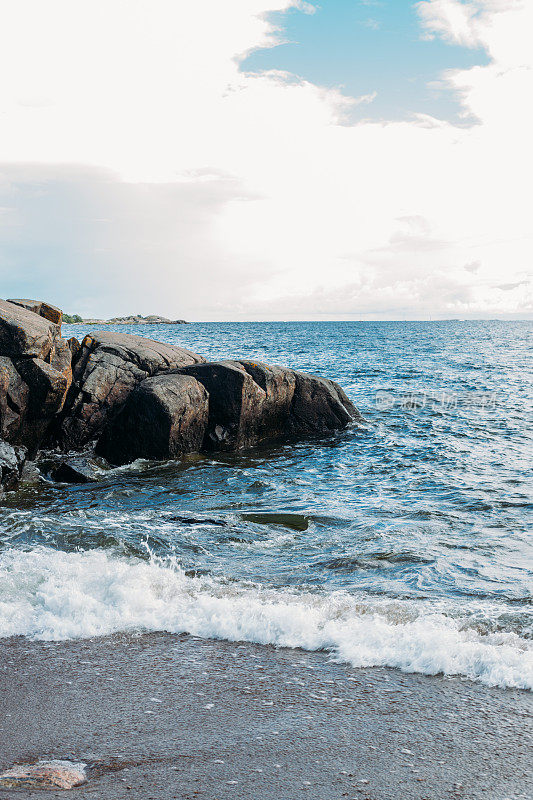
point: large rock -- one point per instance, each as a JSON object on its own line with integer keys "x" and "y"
{"x": 108, "y": 367}
{"x": 35, "y": 371}
{"x": 25, "y": 334}
{"x": 165, "y": 417}
{"x": 225, "y": 405}
{"x": 40, "y": 307}
{"x": 251, "y": 402}
{"x": 47, "y": 392}
{"x": 11, "y": 465}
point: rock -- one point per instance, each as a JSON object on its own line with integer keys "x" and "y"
{"x": 44, "y": 775}
{"x": 320, "y": 405}
{"x": 31, "y": 475}
{"x": 24, "y": 333}
{"x": 109, "y": 366}
{"x": 45, "y": 310}
{"x": 14, "y": 396}
{"x": 251, "y": 402}
{"x": 165, "y": 417}
{"x": 78, "y": 469}
{"x": 225, "y": 405}
{"x": 47, "y": 392}
{"x": 11, "y": 464}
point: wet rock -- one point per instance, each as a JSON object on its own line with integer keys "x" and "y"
{"x": 11, "y": 464}
{"x": 24, "y": 333}
{"x": 31, "y": 475}
{"x": 165, "y": 417}
{"x": 251, "y": 402}
{"x": 320, "y": 405}
{"x": 41, "y": 308}
{"x": 44, "y": 775}
{"x": 75, "y": 470}
{"x": 47, "y": 392}
{"x": 14, "y": 396}
{"x": 108, "y": 367}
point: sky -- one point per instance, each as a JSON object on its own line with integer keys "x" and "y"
{"x": 268, "y": 159}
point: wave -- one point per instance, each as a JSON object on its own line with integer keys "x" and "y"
{"x": 52, "y": 595}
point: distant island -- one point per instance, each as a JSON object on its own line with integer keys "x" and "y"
{"x": 135, "y": 319}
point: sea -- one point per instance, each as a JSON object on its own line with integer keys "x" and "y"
{"x": 403, "y": 542}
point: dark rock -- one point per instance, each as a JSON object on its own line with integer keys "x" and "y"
{"x": 25, "y": 334}
{"x": 47, "y": 392}
{"x": 251, "y": 402}
{"x": 11, "y": 464}
{"x": 41, "y": 308}
{"x": 79, "y": 469}
{"x": 226, "y": 405}
{"x": 165, "y": 417}
{"x": 108, "y": 367}
{"x": 14, "y": 396}
{"x": 74, "y": 347}
{"x": 320, "y": 405}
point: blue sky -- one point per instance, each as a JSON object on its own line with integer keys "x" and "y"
{"x": 366, "y": 46}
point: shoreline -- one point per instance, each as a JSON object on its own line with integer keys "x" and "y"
{"x": 164, "y": 716}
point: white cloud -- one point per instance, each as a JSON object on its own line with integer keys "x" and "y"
{"x": 232, "y": 194}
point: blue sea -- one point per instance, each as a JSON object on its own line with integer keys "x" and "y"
{"x": 404, "y": 542}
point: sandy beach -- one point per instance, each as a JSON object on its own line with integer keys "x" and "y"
{"x": 160, "y": 716}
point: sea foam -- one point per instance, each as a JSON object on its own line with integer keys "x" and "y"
{"x": 53, "y": 595}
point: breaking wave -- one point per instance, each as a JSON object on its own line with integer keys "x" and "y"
{"x": 48, "y": 594}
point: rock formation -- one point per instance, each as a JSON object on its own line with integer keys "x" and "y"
{"x": 225, "y": 405}
{"x": 35, "y": 372}
{"x": 132, "y": 397}
{"x": 168, "y": 416}
{"x": 107, "y": 368}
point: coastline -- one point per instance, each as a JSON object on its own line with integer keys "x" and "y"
{"x": 166, "y": 716}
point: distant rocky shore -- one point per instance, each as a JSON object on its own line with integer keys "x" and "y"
{"x": 133, "y": 319}
{"x": 119, "y": 397}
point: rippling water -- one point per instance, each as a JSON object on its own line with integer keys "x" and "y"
{"x": 402, "y": 543}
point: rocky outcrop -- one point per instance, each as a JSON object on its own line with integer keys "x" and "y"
{"x": 226, "y": 405}
{"x": 135, "y": 319}
{"x": 108, "y": 367}
{"x": 24, "y": 334}
{"x": 251, "y": 402}
{"x": 42, "y": 309}
{"x": 134, "y": 397}
{"x": 11, "y": 465}
{"x": 35, "y": 371}
{"x": 165, "y": 417}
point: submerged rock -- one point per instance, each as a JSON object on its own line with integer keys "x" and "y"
{"x": 108, "y": 367}
{"x": 44, "y": 775}
{"x": 165, "y": 417}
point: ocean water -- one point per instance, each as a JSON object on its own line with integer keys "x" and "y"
{"x": 404, "y": 542}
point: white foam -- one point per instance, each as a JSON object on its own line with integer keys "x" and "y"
{"x": 52, "y": 595}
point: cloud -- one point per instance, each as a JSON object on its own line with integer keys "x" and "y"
{"x": 143, "y": 170}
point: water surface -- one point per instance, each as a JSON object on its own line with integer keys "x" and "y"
{"x": 404, "y": 542}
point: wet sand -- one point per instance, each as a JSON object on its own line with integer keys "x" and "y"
{"x": 160, "y": 716}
